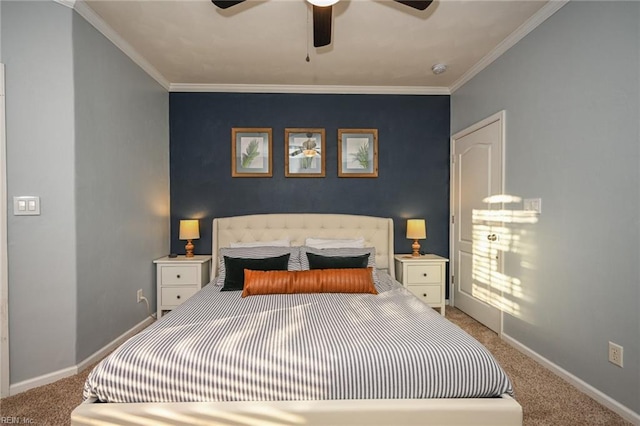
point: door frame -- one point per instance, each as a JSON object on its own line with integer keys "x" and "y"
{"x": 4, "y": 276}
{"x": 500, "y": 116}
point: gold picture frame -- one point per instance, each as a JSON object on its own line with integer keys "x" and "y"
{"x": 304, "y": 153}
{"x": 358, "y": 153}
{"x": 251, "y": 152}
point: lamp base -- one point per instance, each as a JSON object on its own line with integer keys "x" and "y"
{"x": 416, "y": 249}
{"x": 189, "y": 248}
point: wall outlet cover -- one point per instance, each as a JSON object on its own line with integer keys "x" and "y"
{"x": 616, "y": 354}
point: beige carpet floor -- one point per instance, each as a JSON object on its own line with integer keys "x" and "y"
{"x": 546, "y": 399}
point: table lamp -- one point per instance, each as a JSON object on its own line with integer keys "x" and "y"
{"x": 416, "y": 230}
{"x": 189, "y": 230}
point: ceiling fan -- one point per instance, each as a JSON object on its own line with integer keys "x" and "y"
{"x": 308, "y": 148}
{"x": 323, "y": 14}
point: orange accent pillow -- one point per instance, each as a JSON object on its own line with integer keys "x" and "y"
{"x": 358, "y": 280}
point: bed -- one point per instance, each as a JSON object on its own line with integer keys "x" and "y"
{"x": 301, "y": 359}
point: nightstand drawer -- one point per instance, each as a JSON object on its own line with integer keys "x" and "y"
{"x": 173, "y": 296}
{"x": 427, "y": 293}
{"x": 180, "y": 275}
{"x": 424, "y": 274}
{"x": 179, "y": 278}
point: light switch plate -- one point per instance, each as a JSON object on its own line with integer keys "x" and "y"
{"x": 26, "y": 206}
{"x": 533, "y": 205}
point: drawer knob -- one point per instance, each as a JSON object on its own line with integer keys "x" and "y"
{"x": 424, "y": 275}
{"x": 178, "y": 297}
{"x": 178, "y": 276}
{"x": 424, "y": 295}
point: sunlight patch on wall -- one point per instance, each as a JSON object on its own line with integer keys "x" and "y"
{"x": 496, "y": 234}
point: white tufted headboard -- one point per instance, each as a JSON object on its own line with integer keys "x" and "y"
{"x": 377, "y": 232}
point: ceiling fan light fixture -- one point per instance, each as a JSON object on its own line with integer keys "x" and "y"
{"x": 323, "y": 3}
{"x": 439, "y": 68}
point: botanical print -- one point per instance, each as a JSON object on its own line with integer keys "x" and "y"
{"x": 251, "y": 156}
{"x": 358, "y": 156}
{"x": 251, "y": 152}
{"x": 358, "y": 153}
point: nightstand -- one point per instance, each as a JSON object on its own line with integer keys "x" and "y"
{"x": 179, "y": 278}
{"x": 423, "y": 276}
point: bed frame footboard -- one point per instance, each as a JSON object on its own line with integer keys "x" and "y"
{"x": 483, "y": 411}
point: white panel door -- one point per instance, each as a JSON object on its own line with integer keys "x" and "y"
{"x": 476, "y": 180}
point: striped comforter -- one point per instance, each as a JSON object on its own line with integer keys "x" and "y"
{"x": 219, "y": 347}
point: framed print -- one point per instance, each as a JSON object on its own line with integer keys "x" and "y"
{"x": 251, "y": 152}
{"x": 358, "y": 152}
{"x": 304, "y": 153}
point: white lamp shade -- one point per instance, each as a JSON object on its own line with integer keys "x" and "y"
{"x": 189, "y": 229}
{"x": 323, "y": 3}
{"x": 416, "y": 229}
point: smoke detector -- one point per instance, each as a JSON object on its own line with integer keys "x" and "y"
{"x": 438, "y": 68}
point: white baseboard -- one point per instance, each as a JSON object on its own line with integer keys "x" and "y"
{"x": 98, "y": 355}
{"x": 584, "y": 387}
{"x": 45, "y": 379}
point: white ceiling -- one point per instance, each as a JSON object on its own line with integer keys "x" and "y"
{"x": 261, "y": 45}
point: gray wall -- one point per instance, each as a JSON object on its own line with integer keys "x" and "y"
{"x": 571, "y": 94}
{"x": 122, "y": 187}
{"x": 38, "y": 53}
{"x": 87, "y": 131}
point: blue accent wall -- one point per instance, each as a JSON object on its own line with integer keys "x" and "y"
{"x": 413, "y": 146}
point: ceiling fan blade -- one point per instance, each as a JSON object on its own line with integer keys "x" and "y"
{"x": 322, "y": 17}
{"x": 416, "y": 4}
{"x": 225, "y": 4}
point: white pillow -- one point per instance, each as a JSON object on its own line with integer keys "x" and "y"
{"x": 275, "y": 243}
{"x": 322, "y": 243}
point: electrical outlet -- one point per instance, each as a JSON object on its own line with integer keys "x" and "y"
{"x": 139, "y": 295}
{"x": 616, "y": 354}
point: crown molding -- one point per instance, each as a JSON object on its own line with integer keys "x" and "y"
{"x": 69, "y": 3}
{"x": 532, "y": 23}
{"x": 90, "y": 16}
{"x": 309, "y": 89}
